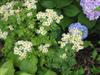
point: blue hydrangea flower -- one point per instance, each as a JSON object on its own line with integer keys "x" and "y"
{"x": 89, "y": 7}
{"x": 80, "y": 27}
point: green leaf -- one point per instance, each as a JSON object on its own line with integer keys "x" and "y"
{"x": 80, "y": 71}
{"x": 87, "y": 44}
{"x": 97, "y": 8}
{"x": 84, "y": 20}
{"x": 65, "y": 22}
{"x": 48, "y": 4}
{"x": 62, "y": 3}
{"x": 29, "y": 65}
{"x": 98, "y": 59}
{"x": 71, "y": 10}
{"x": 94, "y": 54}
{"x": 9, "y": 43}
{"x": 95, "y": 70}
{"x": 22, "y": 73}
{"x": 50, "y": 73}
{"x": 7, "y": 68}
{"x": 41, "y": 39}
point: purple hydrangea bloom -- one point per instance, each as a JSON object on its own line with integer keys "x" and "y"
{"x": 80, "y": 27}
{"x": 89, "y": 7}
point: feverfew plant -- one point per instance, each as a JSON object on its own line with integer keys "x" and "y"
{"x": 7, "y": 10}
{"x": 47, "y": 18}
{"x": 44, "y": 37}
{"x": 30, "y": 4}
{"x": 3, "y": 35}
{"x": 22, "y": 48}
{"x": 77, "y": 32}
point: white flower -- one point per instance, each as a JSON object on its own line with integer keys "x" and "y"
{"x": 41, "y": 31}
{"x": 30, "y": 4}
{"x": 22, "y": 48}
{"x": 44, "y": 48}
{"x": 3, "y": 35}
{"x": 72, "y": 38}
{"x": 41, "y": 15}
{"x": 7, "y": 10}
{"x": 48, "y": 17}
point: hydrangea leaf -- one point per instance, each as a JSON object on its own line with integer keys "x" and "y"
{"x": 48, "y": 3}
{"x": 84, "y": 20}
{"x": 62, "y": 3}
{"x": 50, "y": 73}
{"x": 7, "y": 68}
{"x": 29, "y": 65}
{"x": 22, "y": 73}
{"x": 71, "y": 10}
{"x": 65, "y": 22}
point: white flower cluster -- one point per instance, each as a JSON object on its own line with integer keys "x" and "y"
{"x": 3, "y": 35}
{"x": 44, "y": 48}
{"x": 30, "y": 4}
{"x": 7, "y": 10}
{"x": 47, "y": 18}
{"x": 22, "y": 48}
{"x": 72, "y": 38}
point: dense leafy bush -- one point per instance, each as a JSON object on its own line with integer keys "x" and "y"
{"x": 49, "y": 37}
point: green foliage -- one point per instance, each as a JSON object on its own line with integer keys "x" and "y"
{"x": 98, "y": 8}
{"x": 62, "y": 3}
{"x": 9, "y": 43}
{"x": 50, "y": 73}
{"x": 29, "y": 65}
{"x": 94, "y": 54}
{"x": 95, "y": 70}
{"x": 50, "y": 63}
{"x": 82, "y": 19}
{"x": 7, "y": 68}
{"x": 71, "y": 10}
{"x": 55, "y": 3}
{"x": 22, "y": 73}
{"x": 66, "y": 22}
{"x": 78, "y": 72}
{"x": 48, "y": 3}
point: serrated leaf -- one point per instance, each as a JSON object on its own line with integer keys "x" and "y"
{"x": 40, "y": 39}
